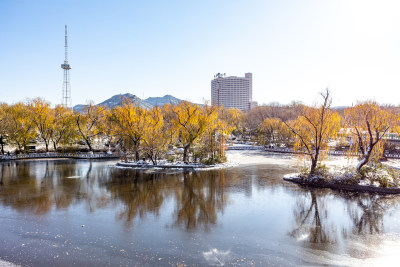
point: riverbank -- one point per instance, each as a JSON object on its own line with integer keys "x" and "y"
{"x": 53, "y": 155}
{"x": 163, "y": 165}
{"x": 345, "y": 187}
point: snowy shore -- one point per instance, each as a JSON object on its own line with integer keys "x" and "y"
{"x": 162, "y": 165}
{"x": 345, "y": 187}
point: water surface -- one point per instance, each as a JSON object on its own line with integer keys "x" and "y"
{"x": 90, "y": 213}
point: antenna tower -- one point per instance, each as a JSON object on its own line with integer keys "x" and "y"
{"x": 66, "y": 90}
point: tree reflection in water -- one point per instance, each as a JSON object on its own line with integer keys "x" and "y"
{"x": 139, "y": 192}
{"x": 367, "y": 211}
{"x": 311, "y": 218}
{"x": 37, "y": 186}
{"x": 200, "y": 198}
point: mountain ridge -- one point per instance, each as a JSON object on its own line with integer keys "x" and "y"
{"x": 116, "y": 100}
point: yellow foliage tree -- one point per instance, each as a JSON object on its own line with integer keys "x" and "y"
{"x": 155, "y": 137}
{"x": 314, "y": 128}
{"x": 233, "y": 117}
{"x": 41, "y": 114}
{"x": 64, "y": 127}
{"x": 191, "y": 120}
{"x": 3, "y": 125}
{"x": 90, "y": 123}
{"x": 129, "y": 122}
{"x": 21, "y": 130}
{"x": 368, "y": 124}
{"x": 269, "y": 130}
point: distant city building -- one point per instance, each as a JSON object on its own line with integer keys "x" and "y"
{"x": 232, "y": 91}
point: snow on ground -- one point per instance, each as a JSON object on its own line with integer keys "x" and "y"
{"x": 250, "y": 157}
{"x": 7, "y": 264}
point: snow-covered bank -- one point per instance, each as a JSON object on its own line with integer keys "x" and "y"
{"x": 342, "y": 186}
{"x": 163, "y": 165}
{"x": 7, "y": 264}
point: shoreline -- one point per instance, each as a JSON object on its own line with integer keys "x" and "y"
{"x": 190, "y": 166}
{"x": 52, "y": 155}
{"x": 345, "y": 187}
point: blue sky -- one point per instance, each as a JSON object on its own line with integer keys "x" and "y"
{"x": 150, "y": 48}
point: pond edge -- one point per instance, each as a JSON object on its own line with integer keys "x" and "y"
{"x": 346, "y": 187}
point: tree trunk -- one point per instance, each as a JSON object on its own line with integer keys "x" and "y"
{"x": 47, "y": 146}
{"x": 185, "y": 150}
{"x": 55, "y": 146}
{"x": 314, "y": 162}
{"x": 89, "y": 145}
{"x": 2, "y": 144}
{"x": 364, "y": 160}
{"x": 136, "y": 149}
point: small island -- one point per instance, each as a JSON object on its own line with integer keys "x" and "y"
{"x": 365, "y": 123}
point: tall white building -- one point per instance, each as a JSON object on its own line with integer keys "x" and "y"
{"x": 233, "y": 92}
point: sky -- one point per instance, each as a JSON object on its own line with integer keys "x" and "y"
{"x": 295, "y": 49}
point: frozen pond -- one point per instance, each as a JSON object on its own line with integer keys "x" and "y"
{"x": 69, "y": 212}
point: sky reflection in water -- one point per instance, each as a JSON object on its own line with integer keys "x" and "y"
{"x": 68, "y": 212}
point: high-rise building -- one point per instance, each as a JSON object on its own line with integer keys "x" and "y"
{"x": 232, "y": 91}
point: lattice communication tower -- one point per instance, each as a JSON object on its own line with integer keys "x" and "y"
{"x": 66, "y": 90}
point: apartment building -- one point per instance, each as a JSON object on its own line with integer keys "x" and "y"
{"x": 232, "y": 91}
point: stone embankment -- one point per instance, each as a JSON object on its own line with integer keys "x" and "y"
{"x": 53, "y": 155}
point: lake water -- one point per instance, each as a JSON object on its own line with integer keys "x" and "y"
{"x": 82, "y": 213}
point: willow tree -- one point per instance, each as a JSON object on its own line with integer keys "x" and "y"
{"x": 269, "y": 130}
{"x": 21, "y": 130}
{"x": 129, "y": 122}
{"x": 190, "y": 120}
{"x": 64, "y": 129}
{"x": 90, "y": 123}
{"x": 3, "y": 125}
{"x": 156, "y": 138}
{"x": 368, "y": 123}
{"x": 314, "y": 128}
{"x": 211, "y": 144}
{"x": 42, "y": 116}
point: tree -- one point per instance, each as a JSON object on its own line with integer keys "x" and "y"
{"x": 3, "y": 125}
{"x": 21, "y": 129}
{"x": 269, "y": 130}
{"x": 155, "y": 137}
{"x": 129, "y": 122}
{"x": 42, "y": 116}
{"x": 64, "y": 127}
{"x": 368, "y": 124}
{"x": 190, "y": 120}
{"x": 314, "y": 128}
{"x": 233, "y": 117}
{"x": 90, "y": 123}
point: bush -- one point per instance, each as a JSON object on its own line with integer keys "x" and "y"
{"x": 320, "y": 172}
{"x": 214, "y": 160}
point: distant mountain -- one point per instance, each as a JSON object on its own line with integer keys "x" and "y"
{"x": 161, "y": 101}
{"x": 116, "y": 100}
{"x": 79, "y": 108}
{"x": 339, "y": 107}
